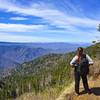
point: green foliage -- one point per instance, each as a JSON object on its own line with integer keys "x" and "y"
{"x": 94, "y": 51}
{"x": 49, "y": 71}
{"x": 52, "y": 70}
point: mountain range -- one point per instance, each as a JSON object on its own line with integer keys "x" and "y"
{"x": 13, "y": 54}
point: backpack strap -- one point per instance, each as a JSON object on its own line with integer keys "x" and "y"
{"x": 78, "y": 60}
{"x": 80, "y": 57}
{"x": 84, "y": 55}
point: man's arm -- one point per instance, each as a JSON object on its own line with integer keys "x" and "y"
{"x": 73, "y": 61}
{"x": 89, "y": 59}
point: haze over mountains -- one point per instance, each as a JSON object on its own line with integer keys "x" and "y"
{"x": 13, "y": 54}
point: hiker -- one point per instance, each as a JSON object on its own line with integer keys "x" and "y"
{"x": 81, "y": 63}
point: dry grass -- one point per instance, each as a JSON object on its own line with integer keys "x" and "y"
{"x": 68, "y": 93}
{"x": 49, "y": 94}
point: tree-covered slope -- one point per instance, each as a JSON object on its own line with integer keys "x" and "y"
{"x": 44, "y": 73}
{"x": 51, "y": 70}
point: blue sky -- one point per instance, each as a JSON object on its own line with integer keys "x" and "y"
{"x": 49, "y": 20}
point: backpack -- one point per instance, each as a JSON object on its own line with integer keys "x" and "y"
{"x": 83, "y": 66}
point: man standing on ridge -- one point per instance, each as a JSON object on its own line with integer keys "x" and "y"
{"x": 81, "y": 63}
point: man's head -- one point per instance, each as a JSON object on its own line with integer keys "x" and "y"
{"x": 80, "y": 51}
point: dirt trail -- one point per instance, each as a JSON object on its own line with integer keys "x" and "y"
{"x": 68, "y": 93}
{"x": 94, "y": 84}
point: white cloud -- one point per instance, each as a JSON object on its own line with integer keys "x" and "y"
{"x": 52, "y": 15}
{"x": 18, "y": 18}
{"x": 24, "y": 38}
{"x": 20, "y": 27}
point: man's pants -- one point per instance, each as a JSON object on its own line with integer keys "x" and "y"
{"x": 77, "y": 82}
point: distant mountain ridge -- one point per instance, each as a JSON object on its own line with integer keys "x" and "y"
{"x": 53, "y": 45}
{"x": 19, "y": 54}
{"x": 12, "y": 54}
